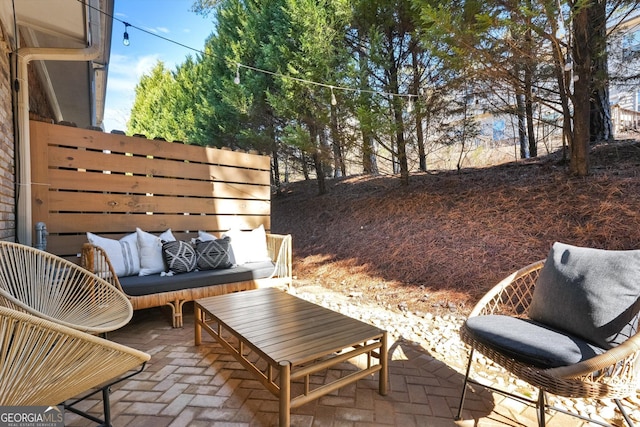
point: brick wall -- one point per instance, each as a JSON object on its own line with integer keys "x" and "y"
{"x": 7, "y": 155}
{"x": 38, "y": 103}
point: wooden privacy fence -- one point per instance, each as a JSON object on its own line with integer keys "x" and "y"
{"x": 109, "y": 184}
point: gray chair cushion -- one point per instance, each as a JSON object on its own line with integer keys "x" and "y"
{"x": 591, "y": 293}
{"x": 529, "y": 342}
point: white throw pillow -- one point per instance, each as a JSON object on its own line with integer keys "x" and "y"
{"x": 203, "y": 236}
{"x": 248, "y": 246}
{"x": 122, "y": 253}
{"x": 150, "y": 247}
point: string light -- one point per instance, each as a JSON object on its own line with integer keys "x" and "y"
{"x": 410, "y": 106}
{"x": 236, "y": 80}
{"x": 334, "y": 101}
{"x": 568, "y": 66}
{"x": 125, "y": 39}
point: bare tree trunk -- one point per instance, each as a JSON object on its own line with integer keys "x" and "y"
{"x": 522, "y": 126}
{"x": 398, "y": 119}
{"x": 305, "y": 166}
{"x": 325, "y": 149}
{"x": 579, "y": 160}
{"x": 338, "y": 170}
{"x": 601, "y": 126}
{"x": 528, "y": 105}
{"x": 317, "y": 159}
{"x": 369, "y": 162}
{"x": 528, "y": 92}
{"x": 563, "y": 78}
{"x": 422, "y": 156}
{"x": 275, "y": 167}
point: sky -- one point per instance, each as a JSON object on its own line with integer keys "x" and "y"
{"x": 171, "y": 19}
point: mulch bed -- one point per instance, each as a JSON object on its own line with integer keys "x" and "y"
{"x": 443, "y": 241}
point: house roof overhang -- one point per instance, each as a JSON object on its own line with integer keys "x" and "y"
{"x": 76, "y": 89}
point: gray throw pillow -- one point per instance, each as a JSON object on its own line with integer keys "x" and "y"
{"x": 591, "y": 293}
{"x": 213, "y": 254}
{"x": 179, "y": 256}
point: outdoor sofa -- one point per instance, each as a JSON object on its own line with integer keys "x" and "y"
{"x": 256, "y": 259}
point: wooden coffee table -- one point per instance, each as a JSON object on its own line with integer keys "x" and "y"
{"x": 295, "y": 338}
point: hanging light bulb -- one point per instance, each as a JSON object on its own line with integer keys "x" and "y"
{"x": 125, "y": 39}
{"x": 334, "y": 101}
{"x": 236, "y": 80}
{"x": 410, "y": 106}
{"x": 569, "y": 65}
{"x": 576, "y": 78}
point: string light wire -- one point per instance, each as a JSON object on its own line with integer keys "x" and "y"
{"x": 326, "y": 85}
{"x": 249, "y": 67}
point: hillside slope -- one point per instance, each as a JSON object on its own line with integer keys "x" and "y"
{"x": 444, "y": 240}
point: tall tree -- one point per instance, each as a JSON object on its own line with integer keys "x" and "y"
{"x": 477, "y": 28}
{"x": 151, "y": 114}
{"x": 388, "y": 27}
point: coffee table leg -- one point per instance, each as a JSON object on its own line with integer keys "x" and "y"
{"x": 285, "y": 394}
{"x": 197, "y": 327}
{"x": 384, "y": 371}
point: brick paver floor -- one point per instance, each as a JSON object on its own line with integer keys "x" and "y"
{"x": 185, "y": 385}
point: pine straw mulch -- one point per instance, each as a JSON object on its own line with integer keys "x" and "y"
{"x": 443, "y": 241}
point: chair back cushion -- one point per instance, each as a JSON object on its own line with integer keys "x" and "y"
{"x": 591, "y": 293}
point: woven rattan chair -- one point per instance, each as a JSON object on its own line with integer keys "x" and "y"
{"x": 612, "y": 374}
{"x": 47, "y": 286}
{"x": 44, "y": 363}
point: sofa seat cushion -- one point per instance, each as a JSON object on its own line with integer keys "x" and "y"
{"x": 156, "y": 283}
{"x": 530, "y": 342}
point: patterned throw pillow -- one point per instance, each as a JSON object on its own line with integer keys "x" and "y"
{"x": 179, "y": 256}
{"x": 212, "y": 254}
{"x": 122, "y": 253}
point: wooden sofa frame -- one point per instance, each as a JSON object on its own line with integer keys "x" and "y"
{"x": 94, "y": 259}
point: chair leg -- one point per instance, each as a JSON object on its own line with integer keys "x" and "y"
{"x": 464, "y": 386}
{"x": 542, "y": 406}
{"x": 106, "y": 406}
{"x": 624, "y": 413}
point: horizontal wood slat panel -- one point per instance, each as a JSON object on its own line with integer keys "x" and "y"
{"x": 122, "y": 203}
{"x": 218, "y": 189}
{"x": 94, "y": 140}
{"x": 99, "y": 182}
{"x": 123, "y": 223}
{"x": 62, "y": 157}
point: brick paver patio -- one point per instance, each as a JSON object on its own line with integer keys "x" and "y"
{"x": 185, "y": 385}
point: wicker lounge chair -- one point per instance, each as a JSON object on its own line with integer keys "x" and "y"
{"x": 607, "y": 373}
{"x": 44, "y": 363}
{"x": 47, "y": 286}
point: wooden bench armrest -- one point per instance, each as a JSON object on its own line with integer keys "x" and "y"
{"x": 95, "y": 259}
